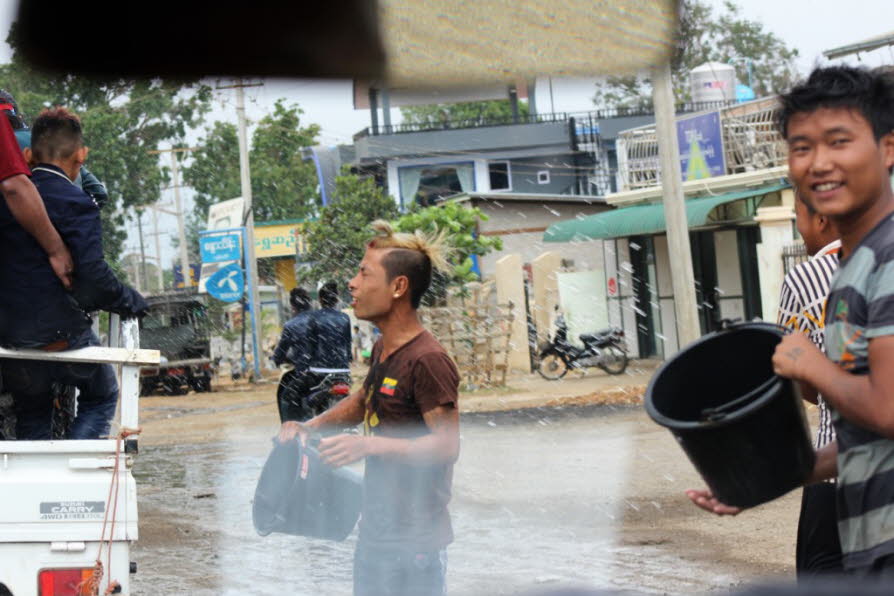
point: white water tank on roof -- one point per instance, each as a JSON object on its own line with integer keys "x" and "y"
{"x": 713, "y": 81}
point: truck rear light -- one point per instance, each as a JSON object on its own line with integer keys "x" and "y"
{"x": 176, "y": 372}
{"x": 340, "y": 389}
{"x": 63, "y": 582}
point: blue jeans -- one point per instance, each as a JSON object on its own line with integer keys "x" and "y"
{"x": 30, "y": 383}
{"x": 399, "y": 572}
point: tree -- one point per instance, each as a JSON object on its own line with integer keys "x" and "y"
{"x": 705, "y": 37}
{"x": 460, "y": 224}
{"x": 123, "y": 119}
{"x": 336, "y": 240}
{"x": 471, "y": 112}
{"x": 283, "y": 185}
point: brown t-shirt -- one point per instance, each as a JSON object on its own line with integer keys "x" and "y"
{"x": 406, "y": 505}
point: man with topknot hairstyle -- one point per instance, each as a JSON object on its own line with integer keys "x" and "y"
{"x": 408, "y": 405}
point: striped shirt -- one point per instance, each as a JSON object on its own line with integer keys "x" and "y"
{"x": 860, "y": 308}
{"x": 802, "y": 307}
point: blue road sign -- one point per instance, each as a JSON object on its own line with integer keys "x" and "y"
{"x": 228, "y": 284}
{"x": 217, "y": 247}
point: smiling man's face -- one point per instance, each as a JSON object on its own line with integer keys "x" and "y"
{"x": 836, "y": 163}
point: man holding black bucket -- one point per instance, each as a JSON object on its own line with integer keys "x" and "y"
{"x": 839, "y": 126}
{"x": 408, "y": 407}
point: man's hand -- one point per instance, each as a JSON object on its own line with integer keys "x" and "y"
{"x": 795, "y": 356}
{"x": 706, "y": 500}
{"x": 342, "y": 450}
{"x": 291, "y": 429}
{"x": 63, "y": 266}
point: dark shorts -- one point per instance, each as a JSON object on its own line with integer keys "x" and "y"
{"x": 819, "y": 548}
{"x": 399, "y": 572}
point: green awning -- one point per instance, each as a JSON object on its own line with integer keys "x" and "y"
{"x": 646, "y": 219}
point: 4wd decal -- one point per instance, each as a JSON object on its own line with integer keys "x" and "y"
{"x": 72, "y": 510}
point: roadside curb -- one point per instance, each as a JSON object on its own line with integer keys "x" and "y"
{"x": 614, "y": 395}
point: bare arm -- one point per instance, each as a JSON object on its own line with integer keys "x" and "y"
{"x": 347, "y": 412}
{"x": 440, "y": 446}
{"x": 27, "y": 207}
{"x": 826, "y": 467}
{"x": 865, "y": 400}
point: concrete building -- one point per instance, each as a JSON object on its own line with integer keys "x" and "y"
{"x": 739, "y": 221}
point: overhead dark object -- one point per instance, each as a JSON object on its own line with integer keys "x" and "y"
{"x": 408, "y": 43}
{"x": 188, "y": 38}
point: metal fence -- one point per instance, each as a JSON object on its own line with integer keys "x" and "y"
{"x": 481, "y": 121}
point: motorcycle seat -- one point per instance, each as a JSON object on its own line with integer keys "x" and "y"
{"x": 585, "y": 337}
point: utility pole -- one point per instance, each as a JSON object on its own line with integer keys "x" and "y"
{"x": 156, "y": 233}
{"x": 251, "y": 266}
{"x": 178, "y": 210}
{"x": 682, "y": 276}
{"x": 143, "y": 283}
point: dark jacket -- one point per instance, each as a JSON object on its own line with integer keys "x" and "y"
{"x": 332, "y": 332}
{"x": 317, "y": 338}
{"x": 35, "y": 309}
{"x": 295, "y": 345}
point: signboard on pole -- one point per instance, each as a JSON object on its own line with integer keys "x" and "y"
{"x": 216, "y": 247}
{"x": 700, "y": 139}
{"x": 279, "y": 240}
{"x": 227, "y": 284}
{"x": 194, "y": 274}
{"x": 226, "y": 214}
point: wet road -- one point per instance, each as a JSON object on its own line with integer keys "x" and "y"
{"x": 548, "y": 498}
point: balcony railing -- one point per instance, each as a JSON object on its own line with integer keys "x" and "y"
{"x": 601, "y": 114}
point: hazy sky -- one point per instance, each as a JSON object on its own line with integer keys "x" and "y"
{"x": 811, "y": 26}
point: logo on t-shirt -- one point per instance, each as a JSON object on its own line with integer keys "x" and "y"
{"x": 388, "y": 386}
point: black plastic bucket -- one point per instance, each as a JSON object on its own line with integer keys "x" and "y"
{"x": 742, "y": 426}
{"x": 298, "y": 494}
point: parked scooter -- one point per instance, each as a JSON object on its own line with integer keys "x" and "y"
{"x": 604, "y": 349}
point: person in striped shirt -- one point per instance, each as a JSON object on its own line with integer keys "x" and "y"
{"x": 802, "y": 304}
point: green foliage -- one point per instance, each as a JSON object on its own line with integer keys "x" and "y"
{"x": 123, "y": 120}
{"x": 460, "y": 224}
{"x": 706, "y": 37}
{"x": 283, "y": 185}
{"x": 472, "y": 111}
{"x": 337, "y": 238}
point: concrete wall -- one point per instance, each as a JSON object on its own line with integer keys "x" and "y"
{"x": 465, "y": 139}
{"x": 668, "y": 344}
{"x": 520, "y": 224}
{"x": 776, "y": 232}
{"x": 729, "y": 275}
{"x": 559, "y": 168}
{"x": 544, "y": 270}
{"x": 510, "y": 288}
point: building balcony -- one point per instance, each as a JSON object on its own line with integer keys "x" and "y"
{"x": 751, "y": 142}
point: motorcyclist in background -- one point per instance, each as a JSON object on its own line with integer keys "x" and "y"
{"x": 292, "y": 354}
{"x": 318, "y": 344}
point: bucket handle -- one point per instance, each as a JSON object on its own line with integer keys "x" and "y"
{"x": 720, "y": 412}
{"x": 728, "y": 324}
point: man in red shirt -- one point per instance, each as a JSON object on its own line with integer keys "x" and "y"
{"x": 26, "y": 205}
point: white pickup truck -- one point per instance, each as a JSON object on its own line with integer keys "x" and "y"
{"x": 60, "y": 511}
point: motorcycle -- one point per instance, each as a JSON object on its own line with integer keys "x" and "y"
{"x": 297, "y": 396}
{"x": 334, "y": 387}
{"x": 604, "y": 349}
